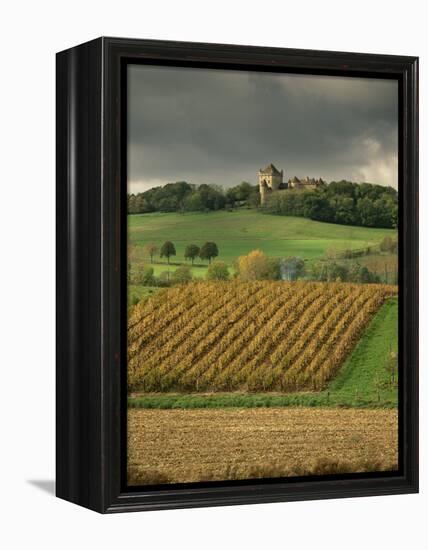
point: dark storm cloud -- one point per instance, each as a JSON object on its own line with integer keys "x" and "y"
{"x": 209, "y": 126}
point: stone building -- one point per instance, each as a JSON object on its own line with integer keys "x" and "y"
{"x": 305, "y": 183}
{"x": 271, "y": 180}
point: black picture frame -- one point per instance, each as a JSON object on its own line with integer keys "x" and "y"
{"x": 91, "y": 358}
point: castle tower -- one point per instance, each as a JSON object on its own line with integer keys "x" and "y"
{"x": 264, "y": 189}
{"x": 270, "y": 179}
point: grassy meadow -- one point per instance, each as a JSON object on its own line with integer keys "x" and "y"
{"x": 238, "y": 232}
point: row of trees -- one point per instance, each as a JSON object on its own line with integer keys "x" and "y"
{"x": 330, "y": 270}
{"x": 144, "y": 275}
{"x": 141, "y": 274}
{"x": 186, "y": 197}
{"x": 207, "y": 251}
{"x": 258, "y": 266}
{"x": 340, "y": 202}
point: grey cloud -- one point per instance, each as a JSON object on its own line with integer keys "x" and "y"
{"x": 222, "y": 126}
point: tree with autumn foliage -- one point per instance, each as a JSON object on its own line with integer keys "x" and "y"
{"x": 150, "y": 249}
{"x": 256, "y": 266}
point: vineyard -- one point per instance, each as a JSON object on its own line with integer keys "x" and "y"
{"x": 251, "y": 336}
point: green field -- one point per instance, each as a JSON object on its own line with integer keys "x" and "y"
{"x": 238, "y": 232}
{"x": 362, "y": 381}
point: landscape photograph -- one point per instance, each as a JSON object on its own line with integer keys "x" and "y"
{"x": 262, "y": 275}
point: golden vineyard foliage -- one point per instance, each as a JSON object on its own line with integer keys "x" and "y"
{"x": 250, "y": 336}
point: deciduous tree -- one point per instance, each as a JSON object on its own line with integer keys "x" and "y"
{"x": 218, "y": 271}
{"x": 208, "y": 251}
{"x": 143, "y": 275}
{"x": 150, "y": 249}
{"x": 167, "y": 250}
{"x": 191, "y": 252}
{"x": 182, "y": 274}
{"x": 255, "y": 266}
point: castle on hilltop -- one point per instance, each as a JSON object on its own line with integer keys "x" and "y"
{"x": 271, "y": 180}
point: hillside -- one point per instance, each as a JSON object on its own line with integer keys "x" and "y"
{"x": 237, "y": 233}
{"x": 255, "y": 336}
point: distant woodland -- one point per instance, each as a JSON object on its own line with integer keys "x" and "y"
{"x": 341, "y": 202}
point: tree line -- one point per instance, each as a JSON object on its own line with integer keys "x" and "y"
{"x": 258, "y": 266}
{"x": 341, "y": 202}
{"x": 140, "y": 273}
{"x": 251, "y": 267}
{"x": 207, "y": 251}
{"x": 186, "y": 197}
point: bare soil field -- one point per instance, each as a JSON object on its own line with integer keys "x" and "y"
{"x": 178, "y": 446}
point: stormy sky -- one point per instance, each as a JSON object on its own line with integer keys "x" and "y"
{"x": 218, "y": 126}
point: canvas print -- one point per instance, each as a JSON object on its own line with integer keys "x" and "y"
{"x": 262, "y": 282}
